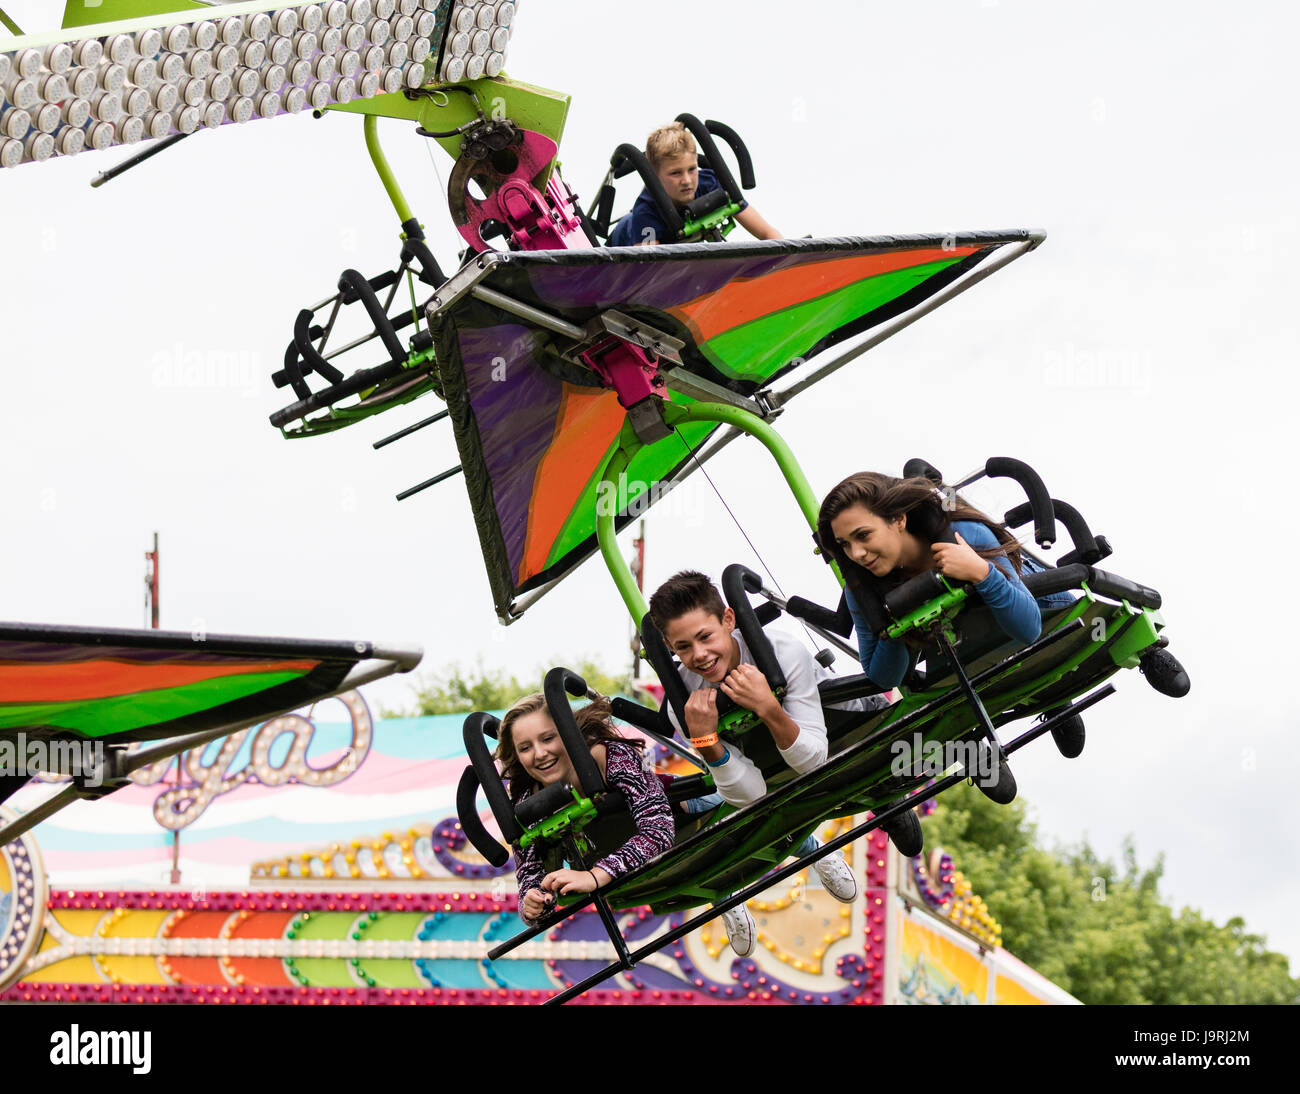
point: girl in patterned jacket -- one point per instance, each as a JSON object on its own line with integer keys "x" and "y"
{"x": 532, "y": 756}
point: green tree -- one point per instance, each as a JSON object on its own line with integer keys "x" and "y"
{"x": 455, "y": 690}
{"x": 1099, "y": 929}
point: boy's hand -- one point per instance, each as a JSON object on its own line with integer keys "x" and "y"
{"x": 536, "y": 903}
{"x": 747, "y": 687}
{"x": 702, "y": 713}
{"x": 959, "y": 561}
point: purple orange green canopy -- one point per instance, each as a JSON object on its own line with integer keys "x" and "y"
{"x": 533, "y": 432}
{"x": 123, "y": 685}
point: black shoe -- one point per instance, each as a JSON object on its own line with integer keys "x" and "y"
{"x": 1002, "y": 787}
{"x": 905, "y": 831}
{"x": 1068, "y": 735}
{"x": 1164, "y": 673}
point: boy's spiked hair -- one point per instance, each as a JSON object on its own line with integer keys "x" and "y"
{"x": 682, "y": 593}
{"x": 668, "y": 141}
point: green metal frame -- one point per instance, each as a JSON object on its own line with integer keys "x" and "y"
{"x": 370, "y": 127}
{"x": 571, "y": 819}
{"x": 724, "y": 217}
{"x": 942, "y": 608}
{"x": 437, "y": 110}
{"x": 674, "y": 414}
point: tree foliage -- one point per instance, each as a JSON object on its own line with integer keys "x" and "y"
{"x": 1101, "y": 930}
{"x": 456, "y": 690}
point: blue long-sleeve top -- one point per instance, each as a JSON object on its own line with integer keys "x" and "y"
{"x": 1013, "y": 606}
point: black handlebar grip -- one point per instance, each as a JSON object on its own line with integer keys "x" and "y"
{"x": 302, "y": 340}
{"x": 1086, "y": 548}
{"x": 1056, "y": 580}
{"x": 486, "y": 772}
{"x": 837, "y": 622}
{"x": 358, "y": 381}
{"x": 1040, "y": 501}
{"x": 558, "y": 681}
{"x": 708, "y": 203}
{"x": 623, "y": 161}
{"x": 414, "y": 245}
{"x": 913, "y": 593}
{"x": 661, "y": 660}
{"x": 544, "y": 803}
{"x": 736, "y": 580}
{"x": 430, "y": 272}
{"x": 667, "y": 210}
{"x": 738, "y": 147}
{"x": 292, "y": 373}
{"x": 352, "y": 282}
{"x": 604, "y": 209}
{"x": 467, "y": 813}
{"x": 1121, "y": 588}
{"x": 652, "y": 721}
{"x": 705, "y": 140}
{"x": 917, "y": 468}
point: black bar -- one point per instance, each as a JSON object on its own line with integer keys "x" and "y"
{"x": 667, "y": 210}
{"x": 720, "y": 167}
{"x": 972, "y": 696}
{"x": 485, "y": 770}
{"x": 611, "y": 928}
{"x": 661, "y": 660}
{"x": 738, "y": 147}
{"x": 1086, "y": 548}
{"x": 557, "y": 686}
{"x": 837, "y": 622}
{"x": 917, "y": 468}
{"x": 1063, "y": 715}
{"x": 738, "y": 580}
{"x": 358, "y": 381}
{"x": 138, "y": 158}
{"x": 429, "y": 482}
{"x": 654, "y": 725}
{"x": 480, "y": 837}
{"x": 351, "y": 281}
{"x": 410, "y": 429}
{"x": 1040, "y": 501}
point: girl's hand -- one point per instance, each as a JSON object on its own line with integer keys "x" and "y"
{"x": 536, "y": 903}
{"x": 959, "y": 561}
{"x": 569, "y": 881}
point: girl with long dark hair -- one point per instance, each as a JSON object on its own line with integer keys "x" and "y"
{"x": 891, "y": 529}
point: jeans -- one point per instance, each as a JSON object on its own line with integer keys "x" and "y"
{"x": 712, "y": 801}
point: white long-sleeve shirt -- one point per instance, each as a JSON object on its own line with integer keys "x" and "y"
{"x": 738, "y": 780}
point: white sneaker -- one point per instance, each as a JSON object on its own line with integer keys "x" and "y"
{"x": 741, "y": 931}
{"x": 837, "y": 878}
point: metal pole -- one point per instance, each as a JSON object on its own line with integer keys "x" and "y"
{"x": 386, "y": 176}
{"x": 843, "y": 357}
{"x": 638, "y": 572}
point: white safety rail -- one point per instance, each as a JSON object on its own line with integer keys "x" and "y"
{"x": 123, "y": 82}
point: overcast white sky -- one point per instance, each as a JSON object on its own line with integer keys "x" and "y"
{"x": 1151, "y": 142}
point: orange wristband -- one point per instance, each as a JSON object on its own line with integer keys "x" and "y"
{"x": 704, "y": 742}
